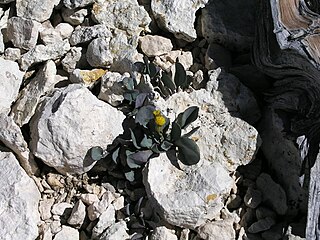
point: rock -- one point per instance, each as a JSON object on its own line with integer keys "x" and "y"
{"x": 217, "y": 56}
{"x": 11, "y": 136}
{"x": 283, "y": 158}
{"x": 77, "y": 215}
{"x": 11, "y": 79}
{"x": 125, "y": 15}
{"x": 22, "y": 32}
{"x": 186, "y": 198}
{"x": 33, "y": 10}
{"x": 19, "y": 201}
{"x": 89, "y": 198}
{"x": 235, "y": 31}
{"x": 111, "y": 90}
{"x": 167, "y": 60}
{"x": 74, "y": 16}
{"x": 197, "y": 79}
{"x": 296, "y": 231}
{"x": 178, "y": 16}
{"x": 252, "y": 198}
{"x": 77, "y": 3}
{"x": 155, "y": 45}
{"x": 55, "y": 226}
{"x": 71, "y": 59}
{"x": 272, "y": 193}
{"x": 239, "y": 99}
{"x": 49, "y": 35}
{"x": 45, "y": 208}
{"x": 116, "y": 231}
{"x": 64, "y": 29}
{"x": 29, "y": 96}
{"x": 217, "y": 230}
{"x": 86, "y": 77}
{"x": 235, "y": 141}
{"x": 86, "y": 34}
{"x": 118, "y": 203}
{"x": 106, "y": 219}
{"x": 67, "y": 233}
{"x": 61, "y": 143}
{"x": 97, "y": 208}
{"x": 61, "y": 208}
{"x": 163, "y": 233}
{"x": 12, "y": 54}
{"x": 41, "y": 53}
{"x": 261, "y": 225}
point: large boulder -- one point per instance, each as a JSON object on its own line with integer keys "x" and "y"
{"x": 19, "y": 201}
{"x": 68, "y": 123}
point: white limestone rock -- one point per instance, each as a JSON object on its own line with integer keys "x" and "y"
{"x": 60, "y": 208}
{"x": 126, "y": 15}
{"x": 22, "y": 32}
{"x": 71, "y": 59}
{"x": 33, "y": 10}
{"x": 221, "y": 229}
{"x": 64, "y": 29}
{"x": 86, "y": 34}
{"x": 19, "y": 201}
{"x": 87, "y": 77}
{"x": 155, "y": 45}
{"x": 106, "y": 219}
{"x": 167, "y": 61}
{"x": 12, "y": 54}
{"x": 41, "y": 53}
{"x": 74, "y": 16}
{"x": 272, "y": 193}
{"x": 116, "y": 231}
{"x": 45, "y": 208}
{"x": 1, "y": 42}
{"x": 163, "y": 233}
{"x": 186, "y": 198}
{"x": 67, "y": 233}
{"x": 111, "y": 90}
{"x": 11, "y": 136}
{"x": 29, "y": 97}
{"x": 177, "y": 16}
{"x": 11, "y": 79}
{"x": 77, "y": 3}
{"x": 89, "y": 198}
{"x": 68, "y": 123}
{"x": 77, "y": 215}
{"x": 49, "y": 35}
{"x": 234, "y": 30}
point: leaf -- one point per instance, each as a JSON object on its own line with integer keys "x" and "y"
{"x": 134, "y": 140}
{"x": 144, "y": 115}
{"x": 187, "y": 117}
{"x": 129, "y": 176}
{"x": 172, "y": 156}
{"x": 167, "y": 81}
{"x": 128, "y": 83}
{"x": 166, "y": 145}
{"x": 191, "y": 132}
{"x": 153, "y": 70}
{"x": 131, "y": 95}
{"x": 188, "y": 151}
{"x": 137, "y": 159}
{"x": 146, "y": 142}
{"x": 180, "y": 77}
{"x": 140, "y": 100}
{"x": 175, "y": 132}
{"x": 115, "y": 155}
{"x": 96, "y": 153}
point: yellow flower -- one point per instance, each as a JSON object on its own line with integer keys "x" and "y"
{"x": 157, "y": 113}
{"x": 160, "y": 120}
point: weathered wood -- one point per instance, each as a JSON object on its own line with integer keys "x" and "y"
{"x": 287, "y": 48}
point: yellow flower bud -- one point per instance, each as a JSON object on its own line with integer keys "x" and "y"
{"x": 160, "y": 120}
{"x": 157, "y": 113}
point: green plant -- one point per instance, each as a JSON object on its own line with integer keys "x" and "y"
{"x": 149, "y": 132}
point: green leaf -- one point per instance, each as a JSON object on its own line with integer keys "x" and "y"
{"x": 167, "y": 81}
{"x": 128, "y": 83}
{"x": 96, "y": 153}
{"x": 191, "y": 132}
{"x": 175, "y": 132}
{"x": 144, "y": 115}
{"x": 166, "y": 145}
{"x": 131, "y": 95}
{"x": 115, "y": 155}
{"x": 180, "y": 77}
{"x": 146, "y": 142}
{"x": 188, "y": 151}
{"x": 152, "y": 69}
{"x": 137, "y": 159}
{"x": 129, "y": 176}
{"x": 134, "y": 140}
{"x": 187, "y": 117}
{"x": 140, "y": 100}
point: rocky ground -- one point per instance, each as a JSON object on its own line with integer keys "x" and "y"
{"x": 62, "y": 69}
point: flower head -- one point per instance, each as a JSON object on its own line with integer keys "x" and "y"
{"x": 159, "y": 119}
